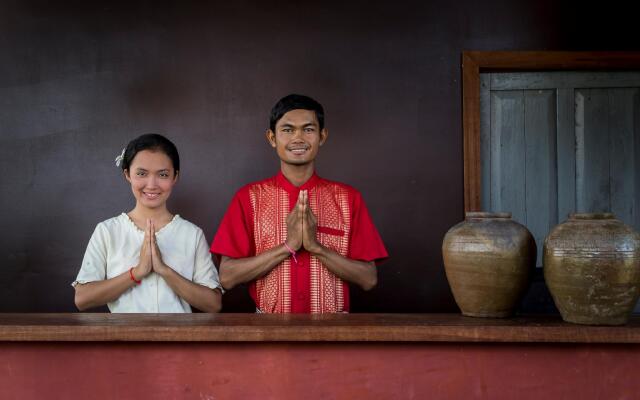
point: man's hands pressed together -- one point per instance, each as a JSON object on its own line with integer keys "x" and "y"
{"x": 302, "y": 226}
{"x": 301, "y": 234}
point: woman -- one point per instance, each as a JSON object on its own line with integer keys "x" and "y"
{"x": 148, "y": 260}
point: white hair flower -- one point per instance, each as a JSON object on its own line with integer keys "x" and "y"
{"x": 120, "y": 158}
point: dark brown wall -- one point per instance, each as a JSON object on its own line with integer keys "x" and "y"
{"x": 78, "y": 80}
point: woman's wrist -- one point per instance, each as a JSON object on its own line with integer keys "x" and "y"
{"x": 162, "y": 269}
{"x": 134, "y": 276}
{"x": 139, "y": 272}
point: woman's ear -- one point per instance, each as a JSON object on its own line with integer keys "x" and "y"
{"x": 125, "y": 172}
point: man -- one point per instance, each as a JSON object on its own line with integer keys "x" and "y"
{"x": 298, "y": 238}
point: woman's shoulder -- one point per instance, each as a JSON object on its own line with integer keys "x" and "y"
{"x": 115, "y": 223}
{"x": 184, "y": 225}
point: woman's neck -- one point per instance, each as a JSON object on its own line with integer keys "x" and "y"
{"x": 159, "y": 216}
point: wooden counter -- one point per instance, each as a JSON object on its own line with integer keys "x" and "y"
{"x": 357, "y": 356}
{"x": 306, "y": 328}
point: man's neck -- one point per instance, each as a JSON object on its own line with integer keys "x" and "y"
{"x": 298, "y": 175}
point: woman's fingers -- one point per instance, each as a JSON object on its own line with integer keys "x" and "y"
{"x": 146, "y": 230}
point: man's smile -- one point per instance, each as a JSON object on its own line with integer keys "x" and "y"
{"x": 298, "y": 150}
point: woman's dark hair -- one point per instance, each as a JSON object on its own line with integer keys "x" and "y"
{"x": 152, "y": 142}
{"x": 295, "y": 102}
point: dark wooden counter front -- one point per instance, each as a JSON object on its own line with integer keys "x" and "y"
{"x": 357, "y": 356}
{"x": 305, "y": 328}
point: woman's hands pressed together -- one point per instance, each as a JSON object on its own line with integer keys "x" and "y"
{"x": 195, "y": 294}
{"x": 145, "y": 265}
{"x": 150, "y": 255}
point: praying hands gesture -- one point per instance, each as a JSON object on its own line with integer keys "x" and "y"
{"x": 301, "y": 233}
{"x": 302, "y": 226}
{"x": 150, "y": 256}
{"x": 197, "y": 295}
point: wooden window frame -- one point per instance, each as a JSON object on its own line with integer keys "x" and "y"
{"x": 475, "y": 62}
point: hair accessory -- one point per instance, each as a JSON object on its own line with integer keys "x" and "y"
{"x": 120, "y": 158}
{"x": 293, "y": 253}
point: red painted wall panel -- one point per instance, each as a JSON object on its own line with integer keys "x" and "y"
{"x": 325, "y": 371}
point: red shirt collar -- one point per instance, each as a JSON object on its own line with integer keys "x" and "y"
{"x": 289, "y": 187}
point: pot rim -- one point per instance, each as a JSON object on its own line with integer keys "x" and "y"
{"x": 486, "y": 214}
{"x": 581, "y": 216}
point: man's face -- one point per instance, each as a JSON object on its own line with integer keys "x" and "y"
{"x": 297, "y": 137}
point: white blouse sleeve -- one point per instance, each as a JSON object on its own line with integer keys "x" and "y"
{"x": 205, "y": 272}
{"x": 94, "y": 263}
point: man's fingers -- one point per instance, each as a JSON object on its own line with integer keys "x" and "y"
{"x": 299, "y": 201}
{"x": 300, "y": 205}
{"x": 305, "y": 204}
{"x": 311, "y": 215}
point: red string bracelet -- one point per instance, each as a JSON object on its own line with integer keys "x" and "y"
{"x": 293, "y": 253}
{"x": 133, "y": 278}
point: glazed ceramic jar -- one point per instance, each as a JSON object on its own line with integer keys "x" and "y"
{"x": 489, "y": 260}
{"x": 592, "y": 268}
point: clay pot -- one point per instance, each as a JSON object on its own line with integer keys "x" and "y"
{"x": 592, "y": 268}
{"x": 489, "y": 259}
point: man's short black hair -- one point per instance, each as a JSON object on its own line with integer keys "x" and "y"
{"x": 295, "y": 102}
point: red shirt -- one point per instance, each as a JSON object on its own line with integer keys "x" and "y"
{"x": 256, "y": 222}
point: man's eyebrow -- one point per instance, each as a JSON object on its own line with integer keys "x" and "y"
{"x": 290, "y": 125}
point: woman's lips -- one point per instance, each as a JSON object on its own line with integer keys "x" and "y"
{"x": 151, "y": 196}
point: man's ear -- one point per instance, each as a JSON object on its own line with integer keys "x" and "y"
{"x": 271, "y": 137}
{"x": 324, "y": 134}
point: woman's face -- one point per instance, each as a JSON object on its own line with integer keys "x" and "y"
{"x": 152, "y": 177}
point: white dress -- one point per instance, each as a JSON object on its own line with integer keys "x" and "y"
{"x": 115, "y": 247}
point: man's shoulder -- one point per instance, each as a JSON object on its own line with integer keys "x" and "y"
{"x": 263, "y": 183}
{"x": 336, "y": 185}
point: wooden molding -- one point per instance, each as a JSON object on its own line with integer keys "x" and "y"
{"x": 475, "y": 62}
